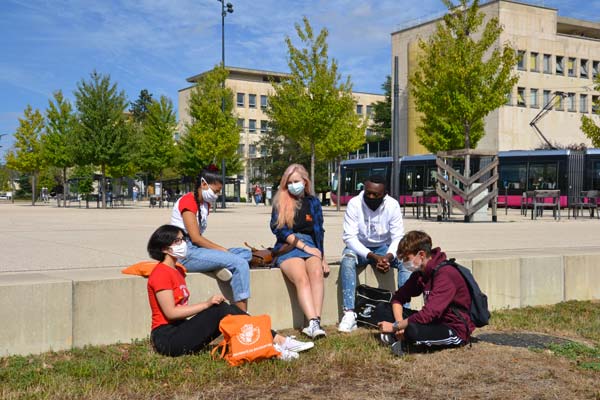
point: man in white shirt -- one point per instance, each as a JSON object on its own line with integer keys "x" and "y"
{"x": 372, "y": 230}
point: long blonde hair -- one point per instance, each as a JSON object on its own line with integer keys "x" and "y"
{"x": 286, "y": 204}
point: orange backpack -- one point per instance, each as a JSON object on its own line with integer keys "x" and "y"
{"x": 246, "y": 338}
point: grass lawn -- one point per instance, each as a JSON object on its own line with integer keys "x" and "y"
{"x": 342, "y": 366}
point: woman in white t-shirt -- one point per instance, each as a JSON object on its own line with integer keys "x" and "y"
{"x": 190, "y": 213}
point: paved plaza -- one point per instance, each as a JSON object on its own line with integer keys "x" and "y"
{"x": 45, "y": 237}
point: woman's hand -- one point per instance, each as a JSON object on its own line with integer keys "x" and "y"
{"x": 312, "y": 251}
{"x": 326, "y": 268}
{"x": 215, "y": 299}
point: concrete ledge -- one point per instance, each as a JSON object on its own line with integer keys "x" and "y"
{"x": 64, "y": 309}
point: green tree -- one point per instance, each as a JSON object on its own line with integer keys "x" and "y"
{"x": 588, "y": 126}
{"x": 26, "y": 155}
{"x": 139, "y": 108}
{"x": 461, "y": 79}
{"x": 382, "y": 112}
{"x": 157, "y": 145}
{"x": 212, "y": 135}
{"x": 312, "y": 106}
{"x": 83, "y": 181}
{"x": 58, "y": 140}
{"x": 103, "y": 136}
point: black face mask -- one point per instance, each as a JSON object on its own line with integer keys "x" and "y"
{"x": 373, "y": 204}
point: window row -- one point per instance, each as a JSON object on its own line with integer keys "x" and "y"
{"x": 251, "y": 127}
{"x": 536, "y": 98}
{"x": 252, "y": 150}
{"x": 359, "y": 109}
{"x": 241, "y": 100}
{"x": 558, "y": 65}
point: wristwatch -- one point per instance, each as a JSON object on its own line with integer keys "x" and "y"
{"x": 395, "y": 326}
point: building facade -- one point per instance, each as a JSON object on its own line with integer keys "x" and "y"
{"x": 251, "y": 90}
{"x": 558, "y": 60}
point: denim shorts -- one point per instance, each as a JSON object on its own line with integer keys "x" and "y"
{"x": 296, "y": 252}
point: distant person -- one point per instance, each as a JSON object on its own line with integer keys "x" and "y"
{"x": 444, "y": 320}
{"x": 297, "y": 222}
{"x": 190, "y": 213}
{"x": 373, "y": 228}
{"x": 134, "y": 193}
{"x": 178, "y": 326}
{"x": 257, "y": 195}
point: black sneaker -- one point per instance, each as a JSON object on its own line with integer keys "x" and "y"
{"x": 387, "y": 338}
{"x": 397, "y": 348}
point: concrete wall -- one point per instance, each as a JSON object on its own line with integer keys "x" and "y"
{"x": 59, "y": 310}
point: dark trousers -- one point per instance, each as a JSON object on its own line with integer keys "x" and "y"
{"x": 191, "y": 335}
{"x": 420, "y": 334}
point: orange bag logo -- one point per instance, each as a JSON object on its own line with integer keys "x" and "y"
{"x": 249, "y": 334}
{"x": 245, "y": 339}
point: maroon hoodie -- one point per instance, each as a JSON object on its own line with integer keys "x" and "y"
{"x": 449, "y": 289}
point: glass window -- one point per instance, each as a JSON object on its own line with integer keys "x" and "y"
{"x": 521, "y": 97}
{"x": 263, "y": 151}
{"x": 595, "y": 104}
{"x": 413, "y": 179}
{"x": 571, "y": 101}
{"x": 559, "y": 103}
{"x": 583, "y": 103}
{"x": 533, "y": 98}
{"x": 596, "y": 176}
{"x": 240, "y": 150}
{"x": 252, "y": 125}
{"x": 543, "y": 176}
{"x": 533, "y": 62}
{"x": 264, "y": 102}
{"x": 583, "y": 68}
{"x": 252, "y": 150}
{"x": 240, "y": 123}
{"x": 571, "y": 66}
{"x": 514, "y": 176}
{"x": 369, "y": 110}
{"x": 594, "y": 69}
{"x": 263, "y": 126}
{"x": 547, "y": 96}
{"x": 547, "y": 64}
{"x": 521, "y": 60}
{"x": 240, "y": 99}
{"x": 509, "y": 99}
{"x": 252, "y": 100}
{"x": 359, "y": 109}
{"x": 560, "y": 66}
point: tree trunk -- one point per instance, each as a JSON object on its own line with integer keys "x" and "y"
{"x": 339, "y": 184}
{"x": 312, "y": 167}
{"x": 103, "y": 169}
{"x": 162, "y": 191}
{"x": 33, "y": 191}
{"x": 64, "y": 186}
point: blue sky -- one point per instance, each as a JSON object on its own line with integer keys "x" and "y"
{"x": 47, "y": 45}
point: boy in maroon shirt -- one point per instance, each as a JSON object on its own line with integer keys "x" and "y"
{"x": 437, "y": 323}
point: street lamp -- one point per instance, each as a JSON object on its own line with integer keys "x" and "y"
{"x": 225, "y": 8}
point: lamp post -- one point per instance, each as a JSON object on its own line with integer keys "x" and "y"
{"x": 225, "y": 8}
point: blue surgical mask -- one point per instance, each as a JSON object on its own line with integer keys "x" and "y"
{"x": 296, "y": 188}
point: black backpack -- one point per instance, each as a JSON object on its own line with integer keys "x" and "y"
{"x": 479, "y": 312}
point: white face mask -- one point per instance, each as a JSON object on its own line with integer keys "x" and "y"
{"x": 296, "y": 188}
{"x": 179, "y": 250}
{"x": 410, "y": 266}
{"x": 209, "y": 195}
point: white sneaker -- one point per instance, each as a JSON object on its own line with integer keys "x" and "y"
{"x": 348, "y": 322}
{"x": 222, "y": 274}
{"x": 296, "y": 345}
{"x": 314, "y": 329}
{"x": 286, "y": 355}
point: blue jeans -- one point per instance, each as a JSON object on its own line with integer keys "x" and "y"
{"x": 352, "y": 261}
{"x": 200, "y": 259}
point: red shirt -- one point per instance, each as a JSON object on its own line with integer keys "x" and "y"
{"x": 164, "y": 277}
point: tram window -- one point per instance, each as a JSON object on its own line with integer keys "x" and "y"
{"x": 543, "y": 176}
{"x": 513, "y": 176}
{"x": 361, "y": 177}
{"x": 432, "y": 178}
{"x": 596, "y": 176}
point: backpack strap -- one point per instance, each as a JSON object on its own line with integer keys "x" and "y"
{"x": 454, "y": 307}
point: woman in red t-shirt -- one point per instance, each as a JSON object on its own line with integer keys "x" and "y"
{"x": 173, "y": 334}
